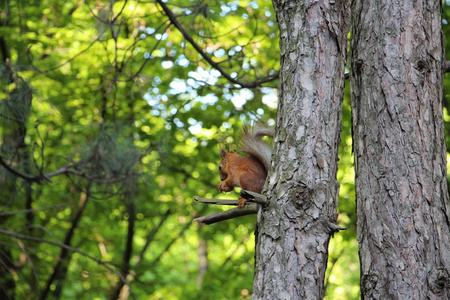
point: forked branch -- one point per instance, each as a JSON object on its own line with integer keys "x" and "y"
{"x": 248, "y": 209}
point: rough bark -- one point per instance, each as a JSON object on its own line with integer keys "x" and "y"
{"x": 400, "y": 157}
{"x": 295, "y": 228}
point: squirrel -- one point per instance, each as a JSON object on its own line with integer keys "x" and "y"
{"x": 248, "y": 172}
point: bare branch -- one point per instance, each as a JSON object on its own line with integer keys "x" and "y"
{"x": 120, "y": 12}
{"x": 254, "y": 197}
{"x": 234, "y": 212}
{"x": 67, "y": 61}
{"x": 226, "y": 215}
{"x": 28, "y": 177}
{"x": 216, "y": 201}
{"x": 147, "y": 59}
{"x": 67, "y": 169}
{"x": 24, "y": 211}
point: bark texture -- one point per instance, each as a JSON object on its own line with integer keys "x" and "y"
{"x": 295, "y": 228}
{"x": 400, "y": 157}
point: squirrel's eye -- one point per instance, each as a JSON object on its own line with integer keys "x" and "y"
{"x": 220, "y": 167}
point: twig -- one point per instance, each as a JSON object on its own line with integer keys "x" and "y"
{"x": 37, "y": 178}
{"x": 234, "y": 212}
{"x": 24, "y": 211}
{"x": 177, "y": 24}
{"x": 250, "y": 196}
{"x": 216, "y": 201}
{"x": 67, "y": 169}
{"x": 333, "y": 227}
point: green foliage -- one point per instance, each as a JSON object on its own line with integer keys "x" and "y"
{"x": 121, "y": 133}
{"x": 115, "y": 120}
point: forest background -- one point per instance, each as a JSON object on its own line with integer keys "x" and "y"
{"x": 111, "y": 113}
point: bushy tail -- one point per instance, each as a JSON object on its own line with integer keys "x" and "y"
{"x": 252, "y": 144}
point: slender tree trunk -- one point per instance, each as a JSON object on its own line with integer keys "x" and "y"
{"x": 295, "y": 228}
{"x": 400, "y": 156}
{"x": 61, "y": 267}
{"x": 203, "y": 265}
{"x": 121, "y": 291}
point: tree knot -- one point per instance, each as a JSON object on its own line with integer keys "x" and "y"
{"x": 439, "y": 281}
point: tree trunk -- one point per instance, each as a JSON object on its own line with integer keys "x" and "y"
{"x": 295, "y": 228}
{"x": 60, "y": 270}
{"x": 399, "y": 146}
{"x": 14, "y": 110}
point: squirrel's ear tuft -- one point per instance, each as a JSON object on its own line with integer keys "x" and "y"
{"x": 223, "y": 153}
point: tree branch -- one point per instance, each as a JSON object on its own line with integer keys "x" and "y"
{"x": 63, "y": 170}
{"x": 28, "y": 177}
{"x": 173, "y": 19}
{"x": 226, "y": 215}
{"x": 67, "y": 61}
{"x": 40, "y": 177}
{"x": 75, "y": 250}
{"x": 333, "y": 227}
{"x": 254, "y": 197}
{"x": 250, "y": 196}
{"x": 234, "y": 212}
{"x": 31, "y": 210}
{"x": 216, "y": 201}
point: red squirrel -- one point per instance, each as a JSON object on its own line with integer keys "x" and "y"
{"x": 248, "y": 172}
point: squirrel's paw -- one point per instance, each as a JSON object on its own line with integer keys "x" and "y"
{"x": 241, "y": 202}
{"x": 223, "y": 187}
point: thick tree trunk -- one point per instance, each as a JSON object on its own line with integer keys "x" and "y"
{"x": 295, "y": 228}
{"x": 400, "y": 156}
